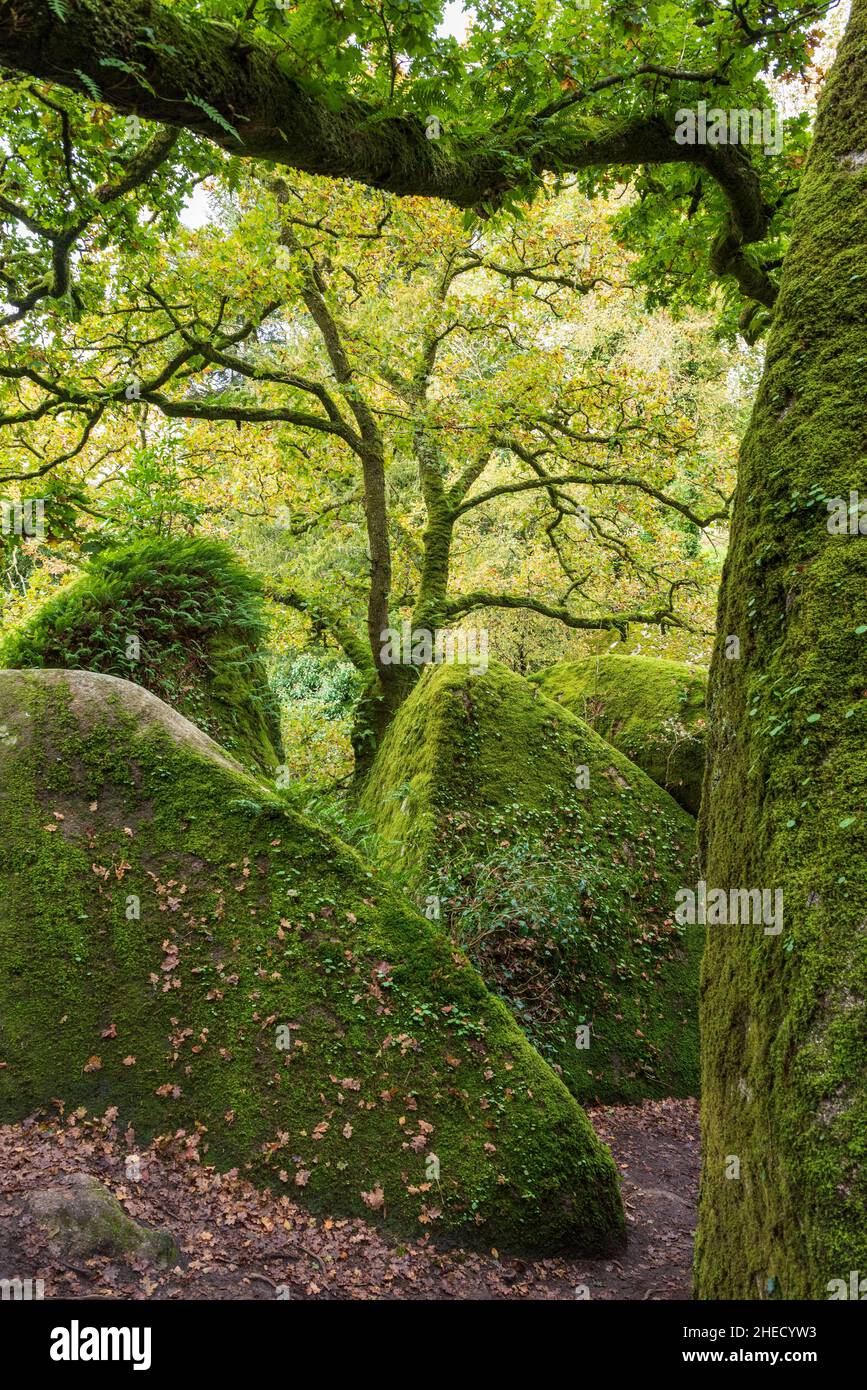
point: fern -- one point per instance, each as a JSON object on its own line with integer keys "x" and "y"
{"x": 87, "y": 83}
{"x": 133, "y": 71}
{"x": 214, "y": 115}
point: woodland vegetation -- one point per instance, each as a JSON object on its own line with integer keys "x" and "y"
{"x": 336, "y": 336}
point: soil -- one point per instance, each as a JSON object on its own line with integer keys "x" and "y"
{"x": 238, "y": 1242}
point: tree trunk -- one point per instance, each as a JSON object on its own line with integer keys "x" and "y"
{"x": 374, "y": 712}
{"x": 783, "y": 1016}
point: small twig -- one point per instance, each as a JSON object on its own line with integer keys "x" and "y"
{"x": 311, "y": 1254}
{"x": 76, "y": 1269}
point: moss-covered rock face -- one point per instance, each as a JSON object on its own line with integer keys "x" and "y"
{"x": 179, "y": 616}
{"x": 652, "y": 710}
{"x": 82, "y": 1218}
{"x": 555, "y": 862}
{"x": 177, "y": 943}
{"x": 784, "y": 1019}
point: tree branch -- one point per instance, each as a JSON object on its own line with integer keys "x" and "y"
{"x": 194, "y": 67}
{"x": 462, "y": 604}
{"x": 56, "y": 282}
{"x": 324, "y": 617}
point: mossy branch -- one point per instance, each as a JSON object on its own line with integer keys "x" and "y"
{"x": 244, "y": 96}
{"x": 58, "y": 281}
{"x": 325, "y": 619}
{"x": 590, "y": 478}
{"x": 461, "y": 604}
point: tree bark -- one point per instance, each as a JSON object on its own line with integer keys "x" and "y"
{"x": 785, "y": 794}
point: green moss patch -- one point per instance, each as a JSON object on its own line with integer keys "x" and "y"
{"x": 81, "y": 1218}
{"x": 554, "y": 862}
{"x": 652, "y": 710}
{"x": 179, "y": 616}
{"x": 784, "y": 1018}
{"x": 178, "y": 943}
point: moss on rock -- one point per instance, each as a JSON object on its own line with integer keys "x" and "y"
{"x": 562, "y": 893}
{"x": 194, "y": 615}
{"x": 178, "y": 943}
{"x": 652, "y": 710}
{"x": 784, "y": 1018}
{"x": 81, "y": 1218}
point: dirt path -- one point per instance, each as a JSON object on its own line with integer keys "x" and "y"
{"x": 239, "y": 1243}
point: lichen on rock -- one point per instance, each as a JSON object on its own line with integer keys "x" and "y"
{"x": 81, "y": 1218}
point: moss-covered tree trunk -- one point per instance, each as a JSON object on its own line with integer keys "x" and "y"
{"x": 783, "y": 1016}
{"x": 378, "y": 704}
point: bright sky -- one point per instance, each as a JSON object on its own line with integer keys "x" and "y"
{"x": 454, "y": 19}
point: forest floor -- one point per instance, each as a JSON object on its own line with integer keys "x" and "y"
{"x": 238, "y": 1242}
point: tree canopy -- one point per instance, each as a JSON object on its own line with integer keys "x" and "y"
{"x": 358, "y": 90}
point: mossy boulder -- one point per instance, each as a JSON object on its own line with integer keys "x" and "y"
{"x": 179, "y": 616}
{"x": 652, "y": 710}
{"x": 554, "y": 861}
{"x": 177, "y": 942}
{"x": 81, "y": 1218}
